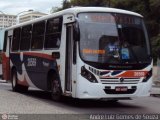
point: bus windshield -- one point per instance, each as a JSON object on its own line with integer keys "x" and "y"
{"x": 113, "y": 38}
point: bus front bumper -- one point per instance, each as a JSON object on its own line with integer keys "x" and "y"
{"x": 87, "y": 90}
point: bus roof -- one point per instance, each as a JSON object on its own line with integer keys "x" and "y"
{"x": 102, "y": 9}
{"x": 75, "y": 11}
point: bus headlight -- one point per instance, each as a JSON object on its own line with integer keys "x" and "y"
{"x": 88, "y": 75}
{"x": 148, "y": 76}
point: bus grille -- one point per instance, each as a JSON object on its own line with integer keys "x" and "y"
{"x": 119, "y": 81}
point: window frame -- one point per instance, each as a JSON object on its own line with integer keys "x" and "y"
{"x": 60, "y": 24}
{"x": 15, "y": 50}
{"x": 5, "y": 41}
{"x": 43, "y": 35}
{"x": 21, "y": 40}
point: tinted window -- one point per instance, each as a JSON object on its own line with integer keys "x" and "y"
{"x": 38, "y": 35}
{"x": 111, "y": 38}
{"x": 53, "y": 33}
{"x": 5, "y": 41}
{"x": 16, "y": 39}
{"x": 26, "y": 37}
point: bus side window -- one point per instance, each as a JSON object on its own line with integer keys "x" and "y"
{"x": 26, "y": 37}
{"x": 38, "y": 35}
{"x": 53, "y": 33}
{"x": 16, "y": 39}
{"x": 5, "y": 41}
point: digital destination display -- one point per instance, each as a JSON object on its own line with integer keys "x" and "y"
{"x": 110, "y": 18}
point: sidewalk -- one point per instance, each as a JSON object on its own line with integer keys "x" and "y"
{"x": 3, "y": 81}
{"x": 156, "y": 77}
{"x": 155, "y": 91}
{"x": 156, "y": 83}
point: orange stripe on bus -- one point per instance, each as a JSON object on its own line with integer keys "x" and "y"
{"x": 42, "y": 55}
{"x": 5, "y": 67}
{"x": 24, "y": 82}
{"x": 133, "y": 74}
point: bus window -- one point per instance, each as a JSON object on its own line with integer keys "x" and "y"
{"x": 16, "y": 39}
{"x": 26, "y": 37}
{"x": 53, "y": 33}
{"x": 38, "y": 35}
{"x": 5, "y": 41}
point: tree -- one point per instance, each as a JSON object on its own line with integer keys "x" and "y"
{"x": 66, "y": 4}
{"x": 89, "y": 2}
{"x": 55, "y": 9}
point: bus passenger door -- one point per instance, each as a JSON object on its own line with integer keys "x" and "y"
{"x": 69, "y": 69}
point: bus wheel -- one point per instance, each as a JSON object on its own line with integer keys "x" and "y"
{"x": 56, "y": 92}
{"x": 23, "y": 88}
{"x": 112, "y": 101}
{"x": 15, "y": 86}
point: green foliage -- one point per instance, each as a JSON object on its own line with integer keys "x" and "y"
{"x": 89, "y": 2}
{"x": 155, "y": 42}
{"x": 54, "y": 9}
{"x": 66, "y": 4}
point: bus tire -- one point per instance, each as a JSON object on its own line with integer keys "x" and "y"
{"x": 56, "y": 91}
{"x": 113, "y": 101}
{"x": 23, "y": 88}
{"x": 15, "y": 86}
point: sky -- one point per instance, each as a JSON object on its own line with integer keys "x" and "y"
{"x": 16, "y": 6}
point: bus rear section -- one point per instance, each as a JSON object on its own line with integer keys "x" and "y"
{"x": 114, "y": 56}
{"x": 5, "y": 57}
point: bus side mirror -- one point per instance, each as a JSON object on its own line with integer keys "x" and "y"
{"x": 76, "y": 33}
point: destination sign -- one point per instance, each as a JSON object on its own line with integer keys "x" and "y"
{"x": 110, "y": 18}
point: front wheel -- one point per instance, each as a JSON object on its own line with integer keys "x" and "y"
{"x": 56, "y": 92}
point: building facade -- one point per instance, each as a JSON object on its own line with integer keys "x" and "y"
{"x": 7, "y": 20}
{"x": 1, "y": 38}
{"x": 30, "y": 16}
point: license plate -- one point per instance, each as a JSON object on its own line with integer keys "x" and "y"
{"x": 121, "y": 89}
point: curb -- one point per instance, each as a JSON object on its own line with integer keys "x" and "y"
{"x": 3, "y": 81}
{"x": 155, "y": 91}
{"x": 156, "y": 83}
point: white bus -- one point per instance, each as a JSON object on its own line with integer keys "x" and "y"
{"x": 81, "y": 52}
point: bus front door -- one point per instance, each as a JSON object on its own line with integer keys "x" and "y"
{"x": 69, "y": 59}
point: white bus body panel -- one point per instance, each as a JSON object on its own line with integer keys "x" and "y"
{"x": 88, "y": 90}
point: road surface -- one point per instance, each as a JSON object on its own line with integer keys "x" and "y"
{"x": 39, "y": 102}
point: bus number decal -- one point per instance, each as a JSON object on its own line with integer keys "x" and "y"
{"x": 45, "y": 64}
{"x": 32, "y": 62}
{"x": 139, "y": 74}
